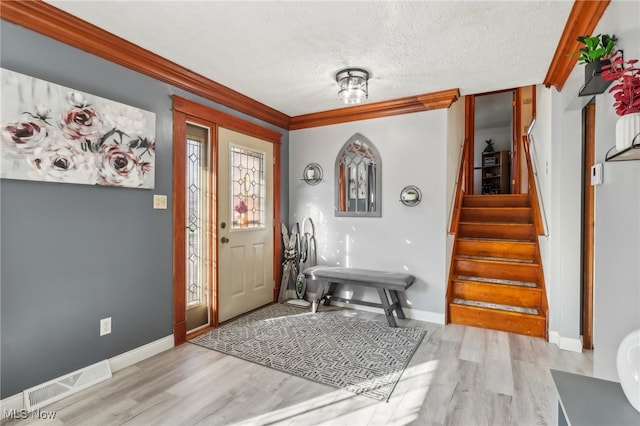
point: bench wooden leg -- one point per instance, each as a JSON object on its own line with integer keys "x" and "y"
{"x": 396, "y": 302}
{"x": 388, "y": 310}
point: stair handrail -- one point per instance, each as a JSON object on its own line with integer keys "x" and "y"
{"x": 539, "y": 217}
{"x": 460, "y": 189}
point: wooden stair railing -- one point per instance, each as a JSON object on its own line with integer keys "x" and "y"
{"x": 460, "y": 189}
{"x": 533, "y": 188}
{"x": 496, "y": 279}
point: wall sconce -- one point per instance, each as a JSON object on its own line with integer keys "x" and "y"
{"x": 354, "y": 85}
{"x": 410, "y": 196}
{"x": 312, "y": 174}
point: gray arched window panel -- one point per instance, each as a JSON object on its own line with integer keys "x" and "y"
{"x": 358, "y": 173}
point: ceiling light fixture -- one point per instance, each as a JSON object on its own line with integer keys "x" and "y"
{"x": 354, "y": 85}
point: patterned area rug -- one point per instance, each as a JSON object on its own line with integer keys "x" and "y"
{"x": 364, "y": 357}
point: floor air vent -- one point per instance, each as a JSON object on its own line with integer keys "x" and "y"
{"x": 56, "y": 389}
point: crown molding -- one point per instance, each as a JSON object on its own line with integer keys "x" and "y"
{"x": 584, "y": 16}
{"x": 43, "y": 18}
{"x": 54, "y": 23}
{"x": 429, "y": 101}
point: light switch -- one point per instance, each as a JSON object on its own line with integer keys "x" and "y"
{"x": 596, "y": 174}
{"x": 159, "y": 201}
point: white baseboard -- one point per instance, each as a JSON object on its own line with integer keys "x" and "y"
{"x": 426, "y": 316}
{"x": 116, "y": 363}
{"x": 565, "y": 343}
{"x": 408, "y": 312}
{"x": 141, "y": 353}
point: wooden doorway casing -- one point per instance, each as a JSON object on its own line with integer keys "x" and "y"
{"x": 521, "y": 119}
{"x": 185, "y": 111}
{"x": 588, "y": 222}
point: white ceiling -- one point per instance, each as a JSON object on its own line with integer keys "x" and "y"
{"x": 285, "y": 54}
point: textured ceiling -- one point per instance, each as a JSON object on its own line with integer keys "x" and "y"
{"x": 286, "y": 54}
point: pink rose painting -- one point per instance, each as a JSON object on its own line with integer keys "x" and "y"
{"x": 55, "y": 134}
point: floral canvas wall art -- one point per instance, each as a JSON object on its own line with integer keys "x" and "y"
{"x": 52, "y": 133}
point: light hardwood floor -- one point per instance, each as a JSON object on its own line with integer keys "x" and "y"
{"x": 458, "y": 376}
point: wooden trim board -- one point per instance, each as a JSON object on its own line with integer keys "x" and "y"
{"x": 185, "y": 110}
{"x": 62, "y": 26}
{"x": 584, "y": 17}
{"x": 57, "y": 24}
{"x": 429, "y": 101}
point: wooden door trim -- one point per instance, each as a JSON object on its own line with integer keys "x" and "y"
{"x": 469, "y": 134}
{"x": 180, "y": 332}
{"x": 179, "y": 220}
{"x": 515, "y": 152}
{"x": 185, "y": 110}
{"x": 225, "y": 120}
{"x": 588, "y": 226}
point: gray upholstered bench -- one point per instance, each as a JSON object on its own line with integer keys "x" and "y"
{"x": 391, "y": 282}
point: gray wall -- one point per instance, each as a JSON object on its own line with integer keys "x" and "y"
{"x": 413, "y": 151}
{"x": 558, "y": 137}
{"x": 72, "y": 254}
{"x": 617, "y": 231}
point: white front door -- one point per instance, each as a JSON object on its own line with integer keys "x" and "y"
{"x": 245, "y": 223}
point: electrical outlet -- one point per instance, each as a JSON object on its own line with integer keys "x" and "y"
{"x": 105, "y": 326}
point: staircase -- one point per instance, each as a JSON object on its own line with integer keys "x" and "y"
{"x": 496, "y": 278}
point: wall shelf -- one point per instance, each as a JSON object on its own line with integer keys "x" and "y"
{"x": 312, "y": 174}
{"x": 596, "y": 85}
{"x": 410, "y": 196}
{"x": 628, "y": 154}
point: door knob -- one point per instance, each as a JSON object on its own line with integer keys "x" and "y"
{"x": 224, "y": 240}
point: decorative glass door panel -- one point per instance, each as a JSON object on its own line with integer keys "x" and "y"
{"x": 247, "y": 188}
{"x": 198, "y": 229}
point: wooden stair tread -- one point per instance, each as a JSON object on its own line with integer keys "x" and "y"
{"x": 506, "y": 240}
{"x": 529, "y": 272}
{"x": 490, "y": 208}
{"x": 496, "y": 281}
{"x": 506, "y": 200}
{"x": 507, "y": 224}
{"x": 521, "y": 250}
{"x": 498, "y": 263}
{"x": 523, "y": 296}
{"x": 511, "y": 241}
{"x": 496, "y": 306}
{"x": 496, "y": 214}
{"x": 500, "y": 259}
{"x": 513, "y": 322}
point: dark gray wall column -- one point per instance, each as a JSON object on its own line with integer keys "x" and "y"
{"x": 72, "y": 254}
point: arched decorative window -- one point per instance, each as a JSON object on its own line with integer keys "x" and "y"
{"x": 358, "y": 169}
